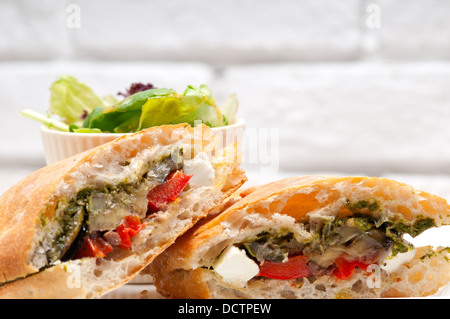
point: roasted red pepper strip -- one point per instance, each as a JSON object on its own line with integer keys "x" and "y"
{"x": 167, "y": 191}
{"x": 294, "y": 267}
{"x": 345, "y": 269}
{"x": 94, "y": 247}
{"x": 128, "y": 229}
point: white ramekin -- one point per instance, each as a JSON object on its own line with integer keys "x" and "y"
{"x": 60, "y": 145}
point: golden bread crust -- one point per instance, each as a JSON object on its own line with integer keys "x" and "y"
{"x": 21, "y": 207}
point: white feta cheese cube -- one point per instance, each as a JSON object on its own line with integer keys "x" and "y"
{"x": 203, "y": 174}
{"x": 235, "y": 267}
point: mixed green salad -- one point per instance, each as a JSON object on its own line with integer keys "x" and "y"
{"x": 75, "y": 107}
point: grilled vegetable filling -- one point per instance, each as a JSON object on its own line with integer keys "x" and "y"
{"x": 336, "y": 246}
{"x": 100, "y": 220}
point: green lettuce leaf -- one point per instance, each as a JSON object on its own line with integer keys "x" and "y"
{"x": 156, "y": 107}
{"x": 162, "y": 111}
{"x": 45, "y": 119}
{"x": 124, "y": 117}
{"x": 81, "y": 110}
{"x": 229, "y": 109}
{"x": 201, "y": 107}
{"x": 72, "y": 100}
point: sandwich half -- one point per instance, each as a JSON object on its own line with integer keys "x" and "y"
{"x": 311, "y": 237}
{"x": 88, "y": 224}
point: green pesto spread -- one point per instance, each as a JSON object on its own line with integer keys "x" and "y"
{"x": 360, "y": 205}
{"x": 419, "y": 225}
{"x": 79, "y": 212}
{"x": 434, "y": 253}
{"x": 339, "y": 232}
{"x": 273, "y": 247}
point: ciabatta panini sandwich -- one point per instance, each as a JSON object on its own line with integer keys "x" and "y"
{"x": 88, "y": 224}
{"x": 311, "y": 237}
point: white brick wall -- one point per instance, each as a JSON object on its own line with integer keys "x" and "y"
{"x": 413, "y": 29}
{"x": 31, "y": 29}
{"x": 211, "y": 31}
{"x": 363, "y": 117}
{"x": 223, "y": 32}
{"x": 218, "y": 31}
{"x": 343, "y": 94}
